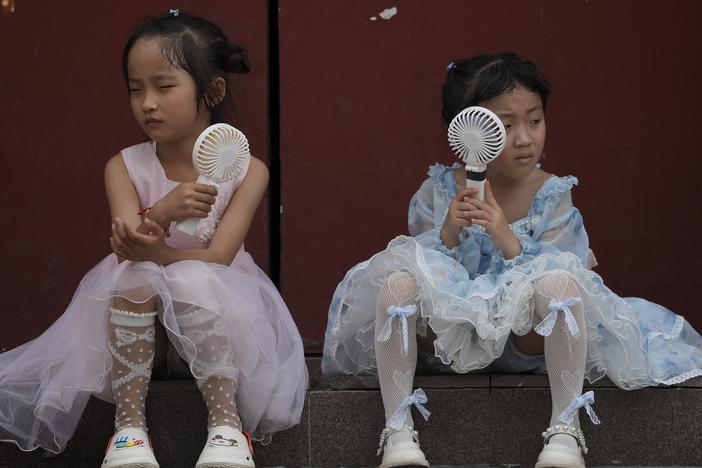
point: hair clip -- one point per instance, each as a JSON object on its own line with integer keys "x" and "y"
{"x": 174, "y": 12}
{"x": 451, "y": 66}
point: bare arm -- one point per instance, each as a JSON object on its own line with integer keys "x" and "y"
{"x": 122, "y": 196}
{"x": 121, "y": 193}
{"x": 234, "y": 225}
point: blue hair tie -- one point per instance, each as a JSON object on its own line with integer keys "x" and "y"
{"x": 174, "y": 12}
{"x": 451, "y": 66}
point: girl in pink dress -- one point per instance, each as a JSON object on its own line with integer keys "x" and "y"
{"x": 219, "y": 310}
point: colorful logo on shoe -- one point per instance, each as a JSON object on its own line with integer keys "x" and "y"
{"x": 222, "y": 441}
{"x": 125, "y": 442}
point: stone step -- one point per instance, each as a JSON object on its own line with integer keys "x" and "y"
{"x": 477, "y": 420}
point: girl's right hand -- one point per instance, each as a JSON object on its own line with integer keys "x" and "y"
{"x": 187, "y": 200}
{"x": 456, "y": 218}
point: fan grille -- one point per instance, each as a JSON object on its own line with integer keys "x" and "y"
{"x": 477, "y": 135}
{"x": 221, "y": 153}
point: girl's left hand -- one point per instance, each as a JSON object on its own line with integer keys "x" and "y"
{"x": 132, "y": 245}
{"x": 490, "y": 216}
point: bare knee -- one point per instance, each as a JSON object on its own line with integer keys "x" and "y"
{"x": 133, "y": 290}
{"x": 134, "y": 293}
{"x": 121, "y": 303}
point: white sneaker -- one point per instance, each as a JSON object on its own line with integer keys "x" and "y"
{"x": 401, "y": 448}
{"x": 226, "y": 447}
{"x": 130, "y": 448}
{"x": 555, "y": 455}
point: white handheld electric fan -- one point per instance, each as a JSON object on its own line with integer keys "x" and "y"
{"x": 477, "y": 136}
{"x": 221, "y": 153}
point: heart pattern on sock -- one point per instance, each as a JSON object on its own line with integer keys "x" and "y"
{"x": 572, "y": 381}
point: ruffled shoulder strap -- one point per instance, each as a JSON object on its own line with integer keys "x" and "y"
{"x": 552, "y": 191}
{"x": 144, "y": 170}
{"x": 441, "y": 177}
{"x": 428, "y": 204}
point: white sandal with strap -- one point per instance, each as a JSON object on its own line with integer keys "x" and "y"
{"x": 401, "y": 451}
{"x": 555, "y": 455}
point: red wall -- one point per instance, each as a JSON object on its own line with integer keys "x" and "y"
{"x": 64, "y": 112}
{"x": 360, "y": 123}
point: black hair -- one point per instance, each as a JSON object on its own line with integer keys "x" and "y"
{"x": 483, "y": 77}
{"x": 197, "y": 46}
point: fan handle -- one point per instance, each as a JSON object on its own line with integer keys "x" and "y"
{"x": 188, "y": 226}
{"x": 476, "y": 180}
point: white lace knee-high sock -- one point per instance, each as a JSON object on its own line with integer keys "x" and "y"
{"x": 131, "y": 344}
{"x": 559, "y": 303}
{"x": 218, "y": 393}
{"x": 213, "y": 354}
{"x": 396, "y": 349}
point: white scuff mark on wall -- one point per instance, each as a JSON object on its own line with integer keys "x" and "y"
{"x": 388, "y": 13}
{"x": 374, "y": 18}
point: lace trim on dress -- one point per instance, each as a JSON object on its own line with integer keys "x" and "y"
{"x": 206, "y": 227}
{"x": 548, "y": 195}
{"x": 454, "y": 252}
{"x": 674, "y": 333}
{"x": 683, "y": 377}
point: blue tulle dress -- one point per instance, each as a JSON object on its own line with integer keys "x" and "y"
{"x": 473, "y": 298}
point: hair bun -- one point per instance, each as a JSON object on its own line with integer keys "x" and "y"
{"x": 237, "y": 60}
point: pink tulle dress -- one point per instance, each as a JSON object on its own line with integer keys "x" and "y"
{"x": 45, "y": 384}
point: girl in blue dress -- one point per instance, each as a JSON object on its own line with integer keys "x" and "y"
{"x": 504, "y": 282}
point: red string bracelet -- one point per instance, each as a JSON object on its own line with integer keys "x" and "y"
{"x": 143, "y": 213}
